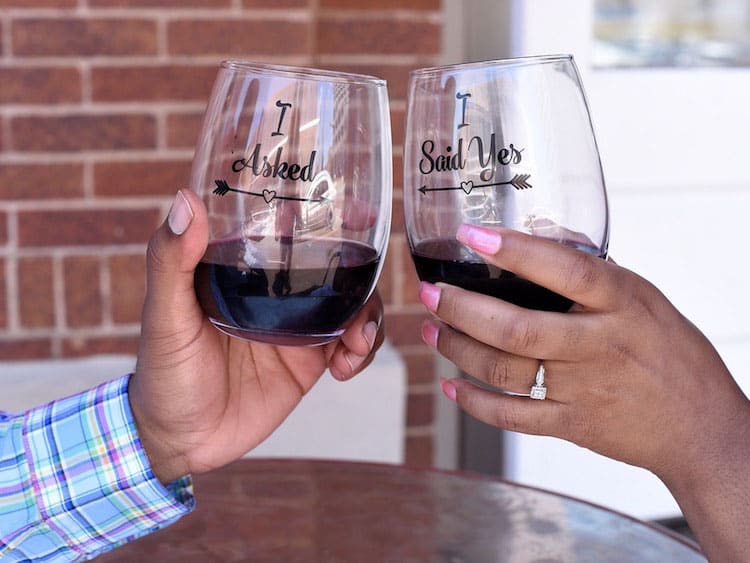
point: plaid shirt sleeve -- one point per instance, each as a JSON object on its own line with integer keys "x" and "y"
{"x": 75, "y": 481}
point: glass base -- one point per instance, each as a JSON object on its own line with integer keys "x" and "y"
{"x": 277, "y": 338}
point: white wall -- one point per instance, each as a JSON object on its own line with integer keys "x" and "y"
{"x": 676, "y": 155}
{"x": 361, "y": 420}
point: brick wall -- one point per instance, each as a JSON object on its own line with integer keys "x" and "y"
{"x": 100, "y": 103}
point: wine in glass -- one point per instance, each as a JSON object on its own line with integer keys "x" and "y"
{"x": 505, "y": 143}
{"x": 294, "y": 166}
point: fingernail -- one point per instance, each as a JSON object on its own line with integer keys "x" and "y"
{"x": 353, "y": 360}
{"x": 370, "y": 331}
{"x": 429, "y": 295}
{"x": 430, "y": 333}
{"x": 449, "y": 390}
{"x": 480, "y": 239}
{"x": 180, "y": 215}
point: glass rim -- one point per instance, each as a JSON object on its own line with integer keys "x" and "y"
{"x": 302, "y": 73}
{"x": 498, "y": 63}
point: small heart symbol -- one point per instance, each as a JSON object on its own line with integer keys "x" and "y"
{"x": 269, "y": 195}
{"x": 467, "y": 186}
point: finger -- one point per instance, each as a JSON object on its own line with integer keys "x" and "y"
{"x": 502, "y": 325}
{"x": 518, "y": 414}
{"x": 359, "y": 336}
{"x": 344, "y": 364}
{"x": 356, "y": 347}
{"x": 173, "y": 254}
{"x": 497, "y": 368}
{"x": 548, "y": 229}
{"x": 504, "y": 371}
{"x": 577, "y": 275}
{"x": 346, "y": 375}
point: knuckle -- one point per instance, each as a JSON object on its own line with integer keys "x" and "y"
{"x": 581, "y": 275}
{"x": 520, "y": 334}
{"x": 499, "y": 371}
{"x": 449, "y": 309}
{"x": 154, "y": 257}
{"x": 446, "y": 343}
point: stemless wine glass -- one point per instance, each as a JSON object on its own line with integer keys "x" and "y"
{"x": 501, "y": 143}
{"x": 294, "y": 166}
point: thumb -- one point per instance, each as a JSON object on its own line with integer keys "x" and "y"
{"x": 173, "y": 253}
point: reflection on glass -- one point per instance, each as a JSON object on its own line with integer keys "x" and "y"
{"x": 640, "y": 33}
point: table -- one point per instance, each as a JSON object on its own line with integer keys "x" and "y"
{"x": 328, "y": 511}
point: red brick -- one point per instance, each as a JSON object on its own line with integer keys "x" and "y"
{"x": 420, "y": 409}
{"x": 372, "y": 5}
{"x": 38, "y": 3}
{"x": 159, "y": 177}
{"x": 86, "y": 226}
{"x": 26, "y": 349}
{"x": 404, "y": 329}
{"x": 337, "y": 36}
{"x": 127, "y": 276}
{"x": 83, "y": 294}
{"x": 397, "y": 130}
{"x": 164, "y": 82}
{"x": 419, "y": 451}
{"x": 165, "y": 4}
{"x": 398, "y": 170}
{"x": 91, "y": 346}
{"x": 39, "y": 85}
{"x": 397, "y": 216}
{"x": 409, "y": 279}
{"x": 183, "y": 129}
{"x": 386, "y": 282}
{"x": 242, "y": 38}
{"x": 36, "y": 297}
{"x": 265, "y": 4}
{"x": 420, "y": 367}
{"x": 84, "y": 37}
{"x": 3, "y": 298}
{"x": 83, "y": 132}
{"x": 3, "y": 227}
{"x": 41, "y": 181}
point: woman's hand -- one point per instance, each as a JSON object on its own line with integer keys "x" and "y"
{"x": 200, "y": 398}
{"x": 626, "y": 374}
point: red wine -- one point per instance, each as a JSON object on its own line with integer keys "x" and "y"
{"x": 305, "y": 296}
{"x": 449, "y": 261}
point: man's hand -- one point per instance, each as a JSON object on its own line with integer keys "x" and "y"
{"x": 200, "y": 398}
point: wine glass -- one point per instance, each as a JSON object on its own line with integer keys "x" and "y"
{"x": 501, "y": 143}
{"x": 294, "y": 166}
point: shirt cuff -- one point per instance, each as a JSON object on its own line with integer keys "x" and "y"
{"x": 91, "y": 477}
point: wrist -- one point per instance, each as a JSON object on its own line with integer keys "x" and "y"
{"x": 167, "y": 463}
{"x": 714, "y": 453}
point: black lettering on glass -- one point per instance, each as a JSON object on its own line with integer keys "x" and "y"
{"x": 462, "y": 97}
{"x": 283, "y": 106}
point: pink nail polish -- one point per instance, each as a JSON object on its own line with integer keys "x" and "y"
{"x": 430, "y": 333}
{"x": 480, "y": 239}
{"x": 449, "y": 390}
{"x": 429, "y": 295}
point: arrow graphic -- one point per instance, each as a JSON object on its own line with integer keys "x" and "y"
{"x": 222, "y": 189}
{"x": 519, "y": 182}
